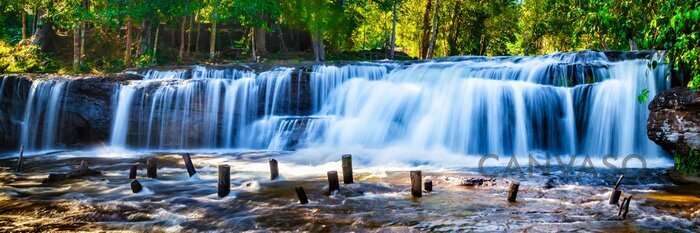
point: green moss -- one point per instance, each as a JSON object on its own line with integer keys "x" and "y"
{"x": 688, "y": 164}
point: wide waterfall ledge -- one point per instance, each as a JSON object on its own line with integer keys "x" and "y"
{"x": 449, "y": 112}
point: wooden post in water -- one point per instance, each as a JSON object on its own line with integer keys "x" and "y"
{"x": 347, "y": 169}
{"x": 625, "y": 208}
{"x": 333, "y": 183}
{"x": 428, "y": 185}
{"x": 136, "y": 186}
{"x": 19, "y": 160}
{"x": 224, "y": 187}
{"x": 274, "y": 172}
{"x": 151, "y": 168}
{"x": 189, "y": 164}
{"x": 615, "y": 195}
{"x": 301, "y": 194}
{"x": 132, "y": 172}
{"x": 513, "y": 192}
{"x": 416, "y": 184}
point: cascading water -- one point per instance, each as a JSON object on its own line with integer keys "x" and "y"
{"x": 563, "y": 103}
{"x": 42, "y": 114}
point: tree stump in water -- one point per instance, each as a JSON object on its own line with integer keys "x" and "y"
{"x": 428, "y": 185}
{"x": 513, "y": 192}
{"x": 151, "y": 168}
{"x": 132, "y": 172}
{"x": 333, "y": 183}
{"x": 347, "y": 169}
{"x": 224, "y": 185}
{"x": 416, "y": 184}
{"x": 301, "y": 195}
{"x": 615, "y": 195}
{"x": 189, "y": 164}
{"x": 274, "y": 172}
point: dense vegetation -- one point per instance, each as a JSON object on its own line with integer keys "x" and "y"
{"x": 109, "y": 35}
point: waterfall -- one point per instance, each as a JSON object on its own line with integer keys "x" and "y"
{"x": 561, "y": 103}
{"x": 41, "y": 115}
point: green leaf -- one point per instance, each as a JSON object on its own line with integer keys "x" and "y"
{"x": 642, "y": 97}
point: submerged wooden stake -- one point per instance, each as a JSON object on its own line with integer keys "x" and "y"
{"x": 136, "y": 186}
{"x": 347, "y": 169}
{"x": 416, "y": 183}
{"x": 615, "y": 197}
{"x": 626, "y": 207}
{"x": 189, "y": 164}
{"x": 274, "y": 172}
{"x": 224, "y": 187}
{"x": 428, "y": 185}
{"x": 619, "y": 181}
{"x": 151, "y": 168}
{"x": 132, "y": 172}
{"x": 301, "y": 195}
{"x": 19, "y": 160}
{"x": 333, "y": 183}
{"x": 513, "y": 192}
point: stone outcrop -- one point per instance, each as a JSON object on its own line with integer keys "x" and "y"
{"x": 85, "y": 113}
{"x": 674, "y": 120}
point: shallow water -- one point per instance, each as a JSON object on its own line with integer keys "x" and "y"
{"x": 379, "y": 200}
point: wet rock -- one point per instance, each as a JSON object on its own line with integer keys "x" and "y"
{"x": 478, "y": 181}
{"x": 674, "y": 120}
{"x": 82, "y": 171}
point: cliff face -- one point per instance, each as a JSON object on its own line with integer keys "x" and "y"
{"x": 85, "y": 111}
{"x": 84, "y": 108}
{"x": 674, "y": 120}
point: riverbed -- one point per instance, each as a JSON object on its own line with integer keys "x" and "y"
{"x": 379, "y": 199}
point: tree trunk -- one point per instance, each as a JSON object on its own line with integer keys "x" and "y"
{"x": 24, "y": 25}
{"x": 212, "y": 43}
{"x": 82, "y": 40}
{"x": 317, "y": 44}
{"x": 283, "y": 47}
{"x": 182, "y": 38}
{"x": 252, "y": 44}
{"x": 433, "y": 35}
{"x": 155, "y": 44}
{"x": 393, "y": 33}
{"x": 36, "y": 19}
{"x": 145, "y": 38}
{"x": 260, "y": 41}
{"x": 76, "y": 46}
{"x": 199, "y": 26}
{"x": 127, "y": 50}
{"x": 189, "y": 37}
{"x": 426, "y": 30}
{"x": 86, "y": 6}
{"x": 633, "y": 45}
{"x": 44, "y": 34}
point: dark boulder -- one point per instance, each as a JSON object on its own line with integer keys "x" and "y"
{"x": 674, "y": 120}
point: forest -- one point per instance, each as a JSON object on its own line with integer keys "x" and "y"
{"x": 101, "y": 36}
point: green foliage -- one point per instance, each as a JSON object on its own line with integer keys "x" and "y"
{"x": 689, "y": 164}
{"x": 464, "y": 27}
{"x": 23, "y": 59}
{"x": 144, "y": 60}
{"x": 675, "y": 27}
